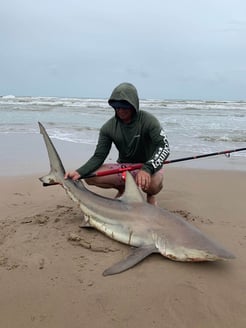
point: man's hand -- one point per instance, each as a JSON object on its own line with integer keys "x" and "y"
{"x": 143, "y": 180}
{"x": 74, "y": 175}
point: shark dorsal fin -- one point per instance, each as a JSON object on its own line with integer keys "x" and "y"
{"x": 131, "y": 194}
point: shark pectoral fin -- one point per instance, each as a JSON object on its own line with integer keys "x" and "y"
{"x": 136, "y": 256}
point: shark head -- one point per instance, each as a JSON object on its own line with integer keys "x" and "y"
{"x": 191, "y": 249}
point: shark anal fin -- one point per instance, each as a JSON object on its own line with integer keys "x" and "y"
{"x": 136, "y": 256}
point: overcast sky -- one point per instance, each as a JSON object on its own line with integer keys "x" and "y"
{"x": 170, "y": 49}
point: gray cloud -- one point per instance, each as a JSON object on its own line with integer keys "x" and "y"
{"x": 169, "y": 49}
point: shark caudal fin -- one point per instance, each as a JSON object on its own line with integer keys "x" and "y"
{"x": 57, "y": 170}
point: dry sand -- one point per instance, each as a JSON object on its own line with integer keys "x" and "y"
{"x": 47, "y": 280}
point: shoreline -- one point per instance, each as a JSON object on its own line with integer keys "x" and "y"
{"x": 19, "y": 151}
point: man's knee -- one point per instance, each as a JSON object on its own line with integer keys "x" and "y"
{"x": 155, "y": 189}
{"x": 156, "y": 184}
{"x": 106, "y": 182}
{"x": 91, "y": 181}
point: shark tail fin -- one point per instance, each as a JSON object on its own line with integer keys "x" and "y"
{"x": 57, "y": 170}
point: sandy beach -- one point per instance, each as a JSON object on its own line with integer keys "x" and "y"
{"x": 51, "y": 268}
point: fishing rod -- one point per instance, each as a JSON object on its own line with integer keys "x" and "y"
{"x": 138, "y": 166}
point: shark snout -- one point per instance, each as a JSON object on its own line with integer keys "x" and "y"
{"x": 188, "y": 251}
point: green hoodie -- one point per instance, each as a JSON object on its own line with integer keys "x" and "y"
{"x": 141, "y": 141}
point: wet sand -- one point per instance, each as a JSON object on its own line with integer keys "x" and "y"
{"x": 51, "y": 269}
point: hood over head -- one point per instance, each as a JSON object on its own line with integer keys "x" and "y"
{"x": 123, "y": 95}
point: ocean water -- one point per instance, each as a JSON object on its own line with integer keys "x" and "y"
{"x": 193, "y": 127}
